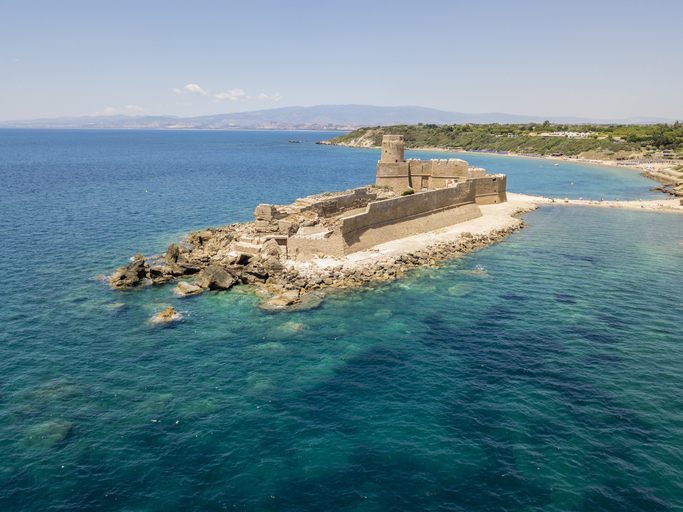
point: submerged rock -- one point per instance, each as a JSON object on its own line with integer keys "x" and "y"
{"x": 47, "y": 434}
{"x": 281, "y": 301}
{"x": 55, "y": 390}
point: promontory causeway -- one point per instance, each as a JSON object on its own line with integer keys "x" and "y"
{"x": 418, "y": 212}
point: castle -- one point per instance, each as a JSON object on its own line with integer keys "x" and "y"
{"x": 447, "y": 192}
{"x": 401, "y": 175}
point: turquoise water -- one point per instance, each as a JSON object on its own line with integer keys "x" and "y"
{"x": 551, "y": 382}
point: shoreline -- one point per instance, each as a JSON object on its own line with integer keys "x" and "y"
{"x": 287, "y": 283}
{"x": 674, "y": 205}
{"x": 662, "y": 173}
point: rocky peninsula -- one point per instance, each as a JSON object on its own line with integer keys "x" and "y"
{"x": 418, "y": 213}
{"x": 216, "y": 258}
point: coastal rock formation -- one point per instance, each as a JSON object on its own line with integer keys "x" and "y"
{"x": 167, "y": 315}
{"x": 129, "y": 275}
{"x": 292, "y": 250}
{"x": 185, "y": 288}
{"x": 215, "y": 277}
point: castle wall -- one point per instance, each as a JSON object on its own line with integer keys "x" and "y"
{"x": 491, "y": 189}
{"x": 401, "y": 217}
{"x": 305, "y": 247}
{"x": 395, "y": 175}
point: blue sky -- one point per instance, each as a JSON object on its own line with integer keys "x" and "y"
{"x": 598, "y": 59}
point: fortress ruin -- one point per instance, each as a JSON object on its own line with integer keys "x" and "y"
{"x": 447, "y": 192}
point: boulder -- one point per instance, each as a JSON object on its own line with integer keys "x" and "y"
{"x": 254, "y": 273}
{"x": 172, "y": 254}
{"x": 270, "y": 249}
{"x": 183, "y": 270}
{"x": 160, "y": 274}
{"x": 138, "y": 257}
{"x": 272, "y": 265}
{"x": 129, "y": 274}
{"x": 215, "y": 277}
{"x": 281, "y": 301}
{"x": 185, "y": 288}
{"x": 167, "y": 315}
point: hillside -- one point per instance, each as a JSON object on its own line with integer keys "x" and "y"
{"x": 319, "y": 117}
{"x": 608, "y": 142}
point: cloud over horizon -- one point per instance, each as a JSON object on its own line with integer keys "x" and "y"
{"x": 230, "y": 94}
{"x": 274, "y": 97}
{"x": 128, "y": 110}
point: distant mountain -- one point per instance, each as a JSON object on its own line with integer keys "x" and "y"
{"x": 320, "y": 117}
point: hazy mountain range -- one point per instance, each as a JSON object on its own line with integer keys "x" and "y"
{"x": 321, "y": 117}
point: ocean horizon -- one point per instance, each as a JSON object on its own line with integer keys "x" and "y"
{"x": 550, "y": 382}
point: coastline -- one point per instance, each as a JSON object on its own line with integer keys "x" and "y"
{"x": 290, "y": 283}
{"x": 674, "y": 205}
{"x": 657, "y": 171}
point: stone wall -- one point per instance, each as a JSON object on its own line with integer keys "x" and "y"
{"x": 491, "y": 189}
{"x": 397, "y": 218}
{"x": 395, "y": 175}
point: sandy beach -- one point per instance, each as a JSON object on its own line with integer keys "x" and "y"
{"x": 663, "y": 204}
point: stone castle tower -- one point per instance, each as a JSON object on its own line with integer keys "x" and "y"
{"x": 401, "y": 175}
{"x": 392, "y": 149}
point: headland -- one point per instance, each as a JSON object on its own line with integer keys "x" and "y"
{"x": 417, "y": 213}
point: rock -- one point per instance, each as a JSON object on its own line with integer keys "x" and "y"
{"x": 254, "y": 273}
{"x": 307, "y": 302}
{"x": 129, "y": 274}
{"x": 45, "y": 435}
{"x": 292, "y": 301}
{"x": 185, "y": 288}
{"x": 138, "y": 257}
{"x": 270, "y": 249}
{"x": 160, "y": 274}
{"x": 215, "y": 277}
{"x": 272, "y": 265}
{"x": 283, "y": 300}
{"x": 184, "y": 270}
{"x": 167, "y": 315}
{"x": 172, "y": 254}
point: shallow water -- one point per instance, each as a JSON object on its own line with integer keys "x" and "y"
{"x": 549, "y": 382}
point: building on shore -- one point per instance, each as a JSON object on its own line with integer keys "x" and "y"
{"x": 447, "y": 192}
{"x": 425, "y": 175}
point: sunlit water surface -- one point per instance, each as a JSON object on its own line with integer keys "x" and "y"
{"x": 551, "y": 382}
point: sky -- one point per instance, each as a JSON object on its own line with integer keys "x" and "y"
{"x": 596, "y": 59}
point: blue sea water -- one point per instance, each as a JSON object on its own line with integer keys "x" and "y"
{"x": 551, "y": 382}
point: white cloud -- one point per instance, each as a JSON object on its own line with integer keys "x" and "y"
{"x": 191, "y": 88}
{"x": 274, "y": 97}
{"x": 195, "y": 89}
{"x": 128, "y": 110}
{"x": 232, "y": 95}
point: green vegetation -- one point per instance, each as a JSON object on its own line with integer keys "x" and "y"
{"x": 611, "y": 141}
{"x": 408, "y": 192}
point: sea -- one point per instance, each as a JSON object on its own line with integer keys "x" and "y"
{"x": 550, "y": 382}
